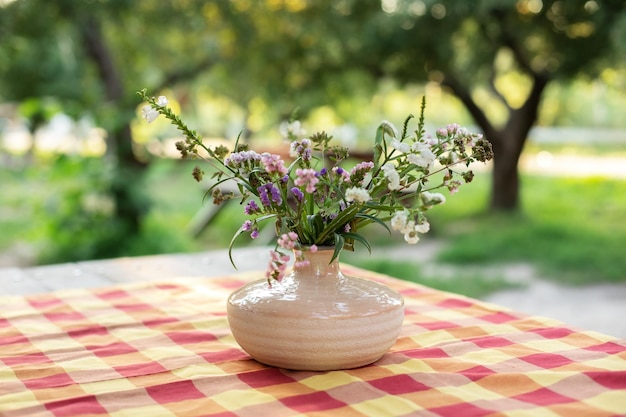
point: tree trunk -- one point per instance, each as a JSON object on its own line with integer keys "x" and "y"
{"x": 507, "y": 142}
{"x": 129, "y": 171}
{"x": 505, "y": 186}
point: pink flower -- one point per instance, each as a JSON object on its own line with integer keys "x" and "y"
{"x": 273, "y": 163}
{"x": 357, "y": 174}
{"x": 306, "y": 177}
{"x": 277, "y": 266}
{"x": 288, "y": 240}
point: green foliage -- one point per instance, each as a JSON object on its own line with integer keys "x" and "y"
{"x": 263, "y": 57}
{"x": 18, "y": 195}
{"x": 74, "y": 218}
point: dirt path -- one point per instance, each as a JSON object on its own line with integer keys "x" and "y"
{"x": 18, "y": 255}
{"x": 598, "y": 307}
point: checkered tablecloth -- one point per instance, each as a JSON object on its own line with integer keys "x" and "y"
{"x": 165, "y": 349}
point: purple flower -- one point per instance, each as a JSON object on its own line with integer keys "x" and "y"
{"x": 265, "y": 199}
{"x": 251, "y": 208}
{"x": 301, "y": 149}
{"x": 269, "y": 193}
{"x": 246, "y": 226}
{"x": 276, "y": 197}
{"x": 254, "y": 234}
{"x": 239, "y": 160}
{"x": 297, "y": 193}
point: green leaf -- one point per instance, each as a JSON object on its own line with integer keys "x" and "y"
{"x": 378, "y": 146}
{"x": 236, "y": 148}
{"x": 316, "y": 223}
{"x": 373, "y": 219}
{"x": 342, "y": 218}
{"x": 339, "y": 242}
{"x": 230, "y": 246}
{"x": 359, "y": 238}
{"x": 240, "y": 231}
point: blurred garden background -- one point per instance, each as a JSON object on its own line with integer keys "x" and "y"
{"x": 82, "y": 176}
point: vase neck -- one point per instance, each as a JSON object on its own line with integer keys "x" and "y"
{"x": 319, "y": 263}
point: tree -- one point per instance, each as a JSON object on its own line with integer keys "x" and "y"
{"x": 471, "y": 48}
{"x": 478, "y": 44}
{"x": 91, "y": 57}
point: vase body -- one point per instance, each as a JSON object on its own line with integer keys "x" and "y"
{"x": 316, "y": 318}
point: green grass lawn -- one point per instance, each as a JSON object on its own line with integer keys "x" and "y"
{"x": 571, "y": 229}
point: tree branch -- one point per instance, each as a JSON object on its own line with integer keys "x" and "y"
{"x": 184, "y": 74}
{"x": 523, "y": 119}
{"x": 477, "y": 113}
{"x": 492, "y": 75}
{"x": 99, "y": 53}
{"x": 494, "y": 90}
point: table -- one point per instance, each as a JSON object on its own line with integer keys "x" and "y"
{"x": 153, "y": 343}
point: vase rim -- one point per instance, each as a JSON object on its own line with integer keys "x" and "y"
{"x": 319, "y": 248}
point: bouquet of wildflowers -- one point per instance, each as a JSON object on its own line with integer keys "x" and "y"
{"x": 315, "y": 201}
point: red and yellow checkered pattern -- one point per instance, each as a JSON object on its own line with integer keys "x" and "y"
{"x": 166, "y": 350}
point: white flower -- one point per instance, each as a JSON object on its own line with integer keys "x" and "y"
{"x": 410, "y": 234}
{"x": 412, "y": 230}
{"x": 400, "y": 146}
{"x": 423, "y": 157}
{"x": 428, "y": 139}
{"x": 162, "y": 101}
{"x": 394, "y": 180}
{"x": 293, "y": 130}
{"x": 411, "y": 238}
{"x": 357, "y": 194}
{"x": 423, "y": 227}
{"x": 399, "y": 220}
{"x": 389, "y": 170}
{"x": 148, "y": 113}
{"x": 432, "y": 199}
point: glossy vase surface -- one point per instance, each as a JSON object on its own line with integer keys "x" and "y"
{"x": 316, "y": 318}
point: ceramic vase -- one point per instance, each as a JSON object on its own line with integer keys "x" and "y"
{"x": 316, "y": 318}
